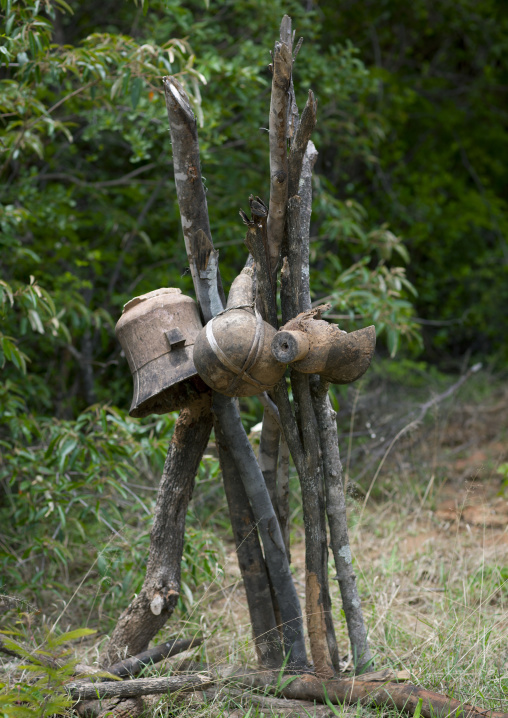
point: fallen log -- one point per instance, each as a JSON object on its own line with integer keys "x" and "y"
{"x": 80, "y": 691}
{"x": 404, "y": 696}
{"x": 269, "y": 704}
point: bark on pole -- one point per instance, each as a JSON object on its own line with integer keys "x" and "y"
{"x": 337, "y": 520}
{"x": 305, "y": 192}
{"x": 275, "y": 553}
{"x": 154, "y": 604}
{"x": 191, "y": 195}
{"x": 283, "y": 494}
{"x": 317, "y": 603}
{"x": 282, "y": 63}
{"x": 138, "y": 687}
{"x": 250, "y": 559}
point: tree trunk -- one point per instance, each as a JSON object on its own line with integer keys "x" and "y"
{"x": 152, "y": 607}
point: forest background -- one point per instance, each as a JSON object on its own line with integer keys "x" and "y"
{"x": 409, "y": 232}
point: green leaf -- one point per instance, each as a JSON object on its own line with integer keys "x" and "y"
{"x": 35, "y": 321}
{"x": 393, "y": 340}
{"x": 72, "y": 636}
{"x": 330, "y": 705}
{"x": 418, "y": 708}
{"x": 65, "y": 6}
{"x": 136, "y": 86}
{"x": 33, "y": 44}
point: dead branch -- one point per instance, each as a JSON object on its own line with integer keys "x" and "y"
{"x": 337, "y": 520}
{"x": 403, "y": 696}
{"x": 283, "y": 493}
{"x": 155, "y": 603}
{"x": 317, "y": 597}
{"x": 299, "y": 144}
{"x": 191, "y": 193}
{"x": 134, "y": 665}
{"x": 411, "y": 422}
{"x": 275, "y": 554}
{"x": 314, "y": 419}
{"x": 274, "y": 706}
{"x": 250, "y": 559}
{"x": 282, "y": 67}
{"x": 256, "y": 241}
{"x": 305, "y": 192}
{"x": 291, "y": 290}
{"x": 136, "y": 687}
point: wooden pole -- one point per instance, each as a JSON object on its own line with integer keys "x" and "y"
{"x": 250, "y": 559}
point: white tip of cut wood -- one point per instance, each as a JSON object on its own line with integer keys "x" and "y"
{"x": 156, "y": 605}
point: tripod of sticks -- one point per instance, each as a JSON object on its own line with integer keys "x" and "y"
{"x": 277, "y": 239}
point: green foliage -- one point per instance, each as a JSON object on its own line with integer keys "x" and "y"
{"x": 436, "y": 173}
{"x": 86, "y": 159}
{"x": 85, "y": 220}
{"x": 69, "y": 485}
{"x": 368, "y": 289}
{"x": 40, "y": 689}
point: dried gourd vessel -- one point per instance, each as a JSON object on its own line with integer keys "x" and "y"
{"x": 232, "y": 353}
{"x": 157, "y": 333}
{"x": 312, "y": 345}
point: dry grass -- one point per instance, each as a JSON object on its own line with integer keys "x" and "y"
{"x": 430, "y": 548}
{"x": 431, "y": 554}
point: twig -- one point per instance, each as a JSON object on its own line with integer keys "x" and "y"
{"x": 412, "y": 421}
{"x": 451, "y": 390}
{"x": 97, "y": 185}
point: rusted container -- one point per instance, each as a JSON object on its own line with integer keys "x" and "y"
{"x": 157, "y": 333}
{"x": 233, "y": 352}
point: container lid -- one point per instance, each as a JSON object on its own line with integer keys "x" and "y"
{"x": 150, "y": 295}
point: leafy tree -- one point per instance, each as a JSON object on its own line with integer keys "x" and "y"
{"x": 436, "y": 171}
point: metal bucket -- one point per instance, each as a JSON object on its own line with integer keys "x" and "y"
{"x": 157, "y": 332}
